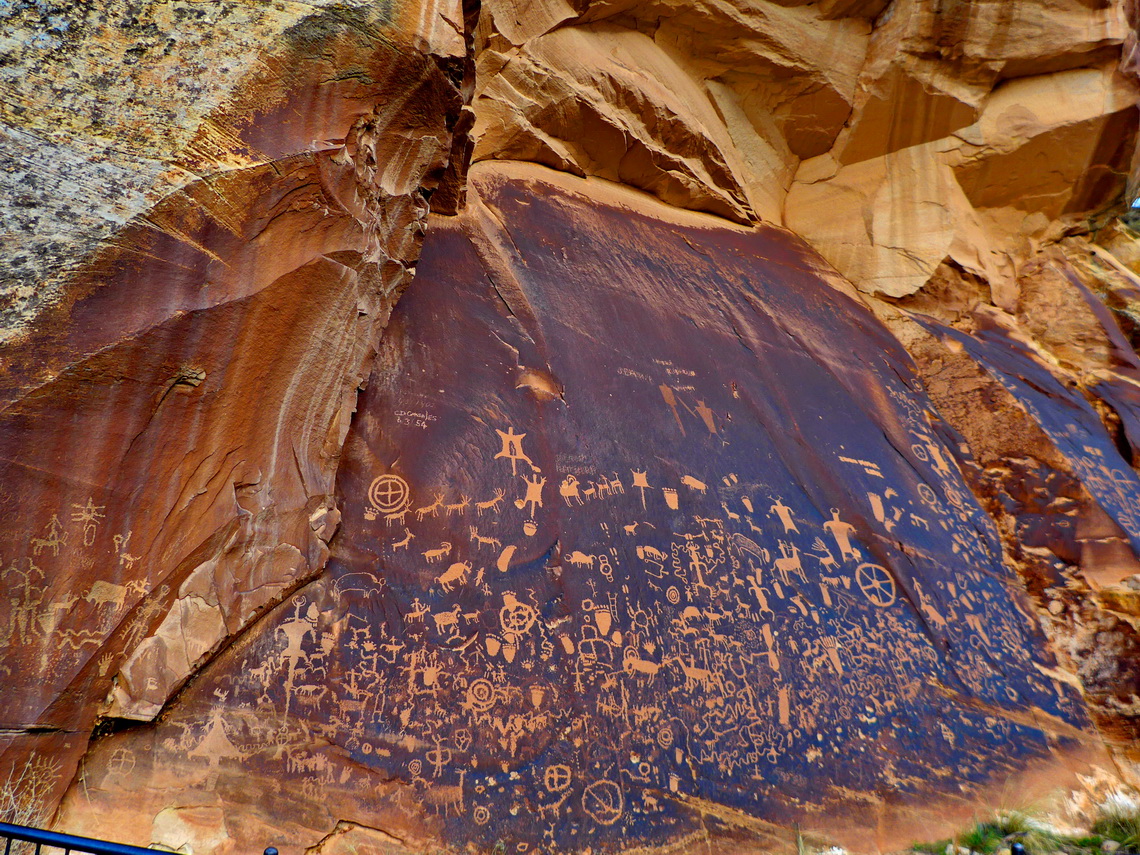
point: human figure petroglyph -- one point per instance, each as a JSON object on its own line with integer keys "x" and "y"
{"x": 784, "y": 514}
{"x": 513, "y": 451}
{"x": 89, "y": 516}
{"x": 641, "y": 482}
{"x": 145, "y": 614}
{"x": 54, "y": 537}
{"x": 295, "y": 631}
{"x": 841, "y": 531}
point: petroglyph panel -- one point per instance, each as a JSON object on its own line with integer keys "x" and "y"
{"x": 636, "y": 546}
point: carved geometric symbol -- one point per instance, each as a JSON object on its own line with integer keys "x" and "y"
{"x": 602, "y": 800}
{"x": 876, "y": 583}
{"x": 481, "y": 695}
{"x": 390, "y": 494}
{"x": 556, "y": 778}
{"x": 517, "y": 617}
{"x": 122, "y": 762}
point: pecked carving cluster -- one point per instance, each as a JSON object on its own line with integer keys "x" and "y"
{"x": 754, "y": 448}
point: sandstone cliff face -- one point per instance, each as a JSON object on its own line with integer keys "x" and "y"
{"x": 753, "y": 446}
{"x": 178, "y": 380}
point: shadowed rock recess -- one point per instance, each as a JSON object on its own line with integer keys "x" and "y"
{"x": 566, "y": 427}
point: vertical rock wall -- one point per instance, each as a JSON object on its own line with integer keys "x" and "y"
{"x": 654, "y": 539}
{"x": 660, "y": 528}
{"x": 179, "y": 376}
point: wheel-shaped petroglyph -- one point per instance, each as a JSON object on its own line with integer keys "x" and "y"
{"x": 390, "y": 494}
{"x": 602, "y": 800}
{"x": 876, "y": 584}
{"x": 557, "y": 778}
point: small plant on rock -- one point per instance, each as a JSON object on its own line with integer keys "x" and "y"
{"x": 1119, "y": 819}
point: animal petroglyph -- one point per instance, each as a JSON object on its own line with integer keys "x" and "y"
{"x": 492, "y": 542}
{"x": 491, "y": 504}
{"x": 453, "y": 575}
{"x": 568, "y": 489}
{"x": 533, "y": 495}
{"x": 430, "y": 510}
{"x": 432, "y": 556}
{"x": 107, "y": 593}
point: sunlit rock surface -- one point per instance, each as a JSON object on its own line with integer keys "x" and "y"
{"x": 172, "y": 410}
{"x": 751, "y": 448}
{"x": 653, "y": 536}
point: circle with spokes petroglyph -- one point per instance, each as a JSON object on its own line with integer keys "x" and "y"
{"x": 876, "y": 584}
{"x": 390, "y": 494}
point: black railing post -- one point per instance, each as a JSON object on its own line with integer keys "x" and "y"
{"x": 73, "y": 843}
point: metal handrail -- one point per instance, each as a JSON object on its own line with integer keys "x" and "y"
{"x": 73, "y": 843}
